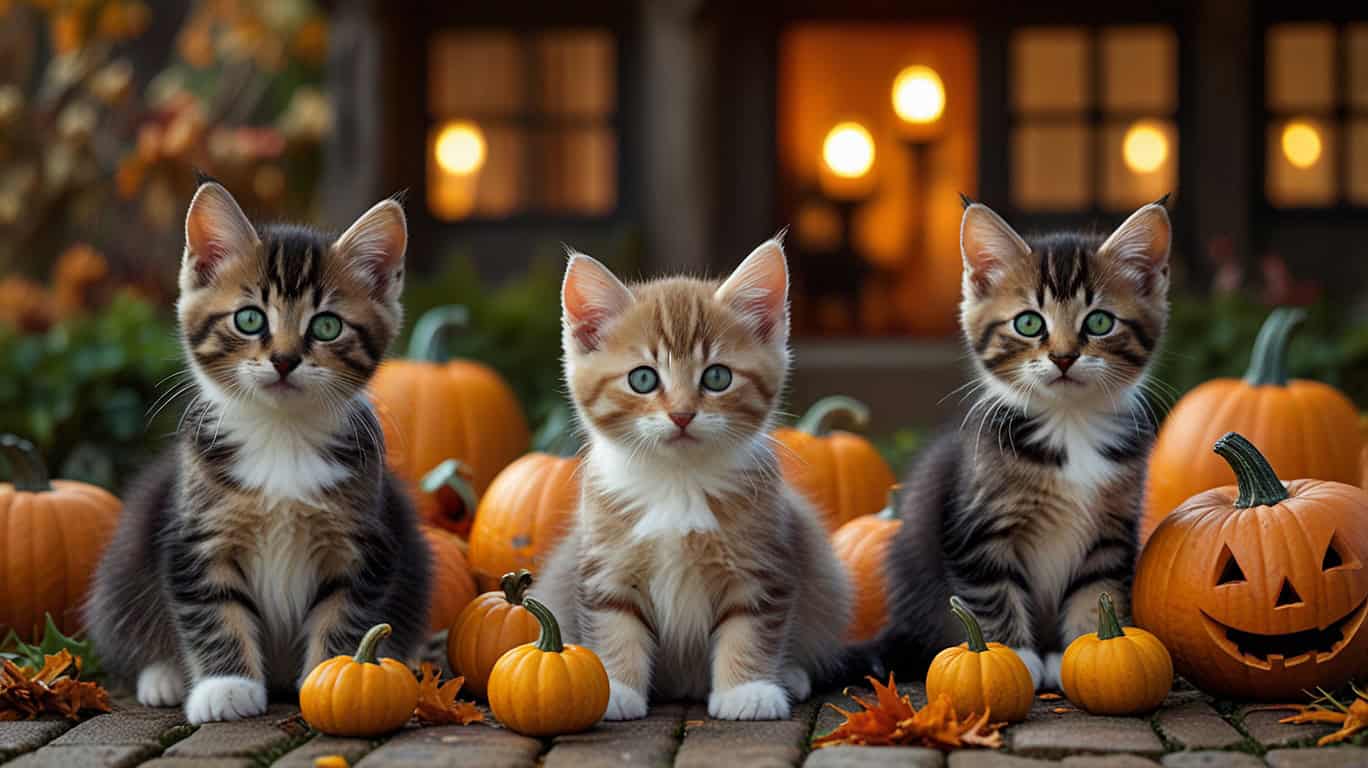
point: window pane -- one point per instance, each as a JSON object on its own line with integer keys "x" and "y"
{"x": 1301, "y": 163}
{"x": 475, "y": 73}
{"x": 578, "y": 171}
{"x": 472, "y": 184}
{"x": 1050, "y": 166}
{"x": 1358, "y": 65}
{"x": 1139, "y": 66}
{"x": 1140, "y": 162}
{"x": 577, "y": 72}
{"x": 1050, "y": 69}
{"x": 1358, "y": 161}
{"x": 1301, "y": 67}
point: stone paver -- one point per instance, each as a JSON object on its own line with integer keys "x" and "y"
{"x": 199, "y": 762}
{"x": 713, "y": 743}
{"x": 652, "y": 741}
{"x": 1195, "y": 725}
{"x": 87, "y": 756}
{"x": 303, "y": 756}
{"x": 20, "y": 737}
{"x": 1263, "y": 727}
{"x": 982, "y": 758}
{"x": 239, "y": 738}
{"x": 1326, "y": 757}
{"x": 875, "y": 757}
{"x": 1108, "y": 761}
{"x": 455, "y": 746}
{"x": 1084, "y": 734}
{"x": 124, "y": 727}
{"x": 1212, "y": 760}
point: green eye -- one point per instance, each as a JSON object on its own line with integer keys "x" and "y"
{"x": 1099, "y": 323}
{"x": 325, "y": 326}
{"x": 643, "y": 380}
{"x": 1029, "y": 324}
{"x": 250, "y": 320}
{"x": 717, "y": 377}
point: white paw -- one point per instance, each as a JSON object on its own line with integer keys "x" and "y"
{"x": 225, "y": 698}
{"x": 759, "y": 700}
{"x": 624, "y": 702}
{"x": 1033, "y": 665}
{"x": 161, "y": 684}
{"x": 798, "y": 682}
{"x": 1054, "y": 662}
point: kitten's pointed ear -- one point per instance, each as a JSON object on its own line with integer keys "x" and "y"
{"x": 216, "y": 230}
{"x": 374, "y": 244}
{"x": 758, "y": 289}
{"x": 1141, "y": 246}
{"x": 591, "y": 297}
{"x": 989, "y": 246}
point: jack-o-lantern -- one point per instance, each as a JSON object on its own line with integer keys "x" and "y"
{"x": 1259, "y": 590}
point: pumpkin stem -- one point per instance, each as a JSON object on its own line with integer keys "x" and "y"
{"x": 1258, "y": 483}
{"x": 895, "y": 495}
{"x": 817, "y": 419}
{"x": 549, "y": 640}
{"x": 365, "y": 652}
{"x": 425, "y": 343}
{"x": 452, "y": 474}
{"x": 515, "y": 584}
{"x": 26, "y": 466}
{"x": 1108, "y": 627}
{"x": 1268, "y": 362}
{"x": 971, "y": 625}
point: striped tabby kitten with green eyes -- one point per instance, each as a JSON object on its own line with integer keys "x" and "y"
{"x": 1030, "y": 509}
{"x": 272, "y": 537}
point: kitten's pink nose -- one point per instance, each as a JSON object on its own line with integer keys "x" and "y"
{"x": 682, "y": 420}
{"x": 1064, "y": 361}
{"x": 284, "y": 364}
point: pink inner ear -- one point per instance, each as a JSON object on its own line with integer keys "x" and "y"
{"x": 591, "y": 297}
{"x": 982, "y": 267}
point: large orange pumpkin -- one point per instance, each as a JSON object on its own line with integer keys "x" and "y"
{"x": 432, "y": 411}
{"x": 862, "y": 546}
{"x": 495, "y": 623}
{"x": 453, "y": 585}
{"x": 524, "y": 514}
{"x": 1259, "y": 590}
{"x": 1304, "y": 428}
{"x": 51, "y": 535}
{"x": 841, "y": 473}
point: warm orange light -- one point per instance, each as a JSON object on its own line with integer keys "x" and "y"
{"x": 460, "y": 148}
{"x": 848, "y": 150}
{"x": 1301, "y": 144}
{"x": 1144, "y": 147}
{"x": 918, "y": 95}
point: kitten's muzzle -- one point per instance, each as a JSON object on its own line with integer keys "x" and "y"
{"x": 284, "y": 364}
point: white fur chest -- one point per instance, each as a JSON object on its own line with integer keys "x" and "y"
{"x": 684, "y": 597}
{"x": 280, "y": 456}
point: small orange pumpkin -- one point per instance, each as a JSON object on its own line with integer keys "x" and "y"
{"x": 862, "y": 547}
{"x": 453, "y": 585}
{"x": 980, "y": 677}
{"x": 358, "y": 695}
{"x": 524, "y": 514}
{"x": 431, "y": 411}
{"x": 51, "y": 537}
{"x": 841, "y": 473}
{"x": 493, "y": 624}
{"x": 548, "y": 688}
{"x": 1116, "y": 671}
{"x": 1304, "y": 428}
{"x": 1259, "y": 590}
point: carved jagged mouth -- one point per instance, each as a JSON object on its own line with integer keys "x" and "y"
{"x": 1290, "y": 649}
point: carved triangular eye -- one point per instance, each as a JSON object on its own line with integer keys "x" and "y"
{"x": 1333, "y": 559}
{"x": 1288, "y": 595}
{"x": 1230, "y": 572}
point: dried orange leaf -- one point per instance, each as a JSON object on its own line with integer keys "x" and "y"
{"x": 1354, "y": 722}
{"x": 437, "y": 703}
{"x": 1062, "y": 710}
{"x": 49, "y": 691}
{"x": 892, "y": 720}
{"x": 1049, "y": 697}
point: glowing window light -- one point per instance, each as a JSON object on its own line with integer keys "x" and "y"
{"x": 1144, "y": 148}
{"x": 848, "y": 150}
{"x": 1301, "y": 144}
{"x": 918, "y": 95}
{"x": 460, "y": 148}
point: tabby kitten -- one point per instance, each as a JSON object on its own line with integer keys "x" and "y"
{"x": 1030, "y": 509}
{"x": 272, "y": 536}
{"x": 692, "y": 569}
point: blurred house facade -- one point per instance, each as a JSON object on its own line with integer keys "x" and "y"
{"x": 674, "y": 135}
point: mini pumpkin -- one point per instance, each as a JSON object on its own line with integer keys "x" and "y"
{"x": 862, "y": 546}
{"x": 453, "y": 584}
{"x": 841, "y": 473}
{"x": 980, "y": 677}
{"x": 51, "y": 535}
{"x": 432, "y": 411}
{"x": 1259, "y": 590}
{"x": 524, "y": 514}
{"x": 493, "y": 624}
{"x": 1116, "y": 671}
{"x": 359, "y": 695}
{"x": 548, "y": 688}
{"x": 1304, "y": 428}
